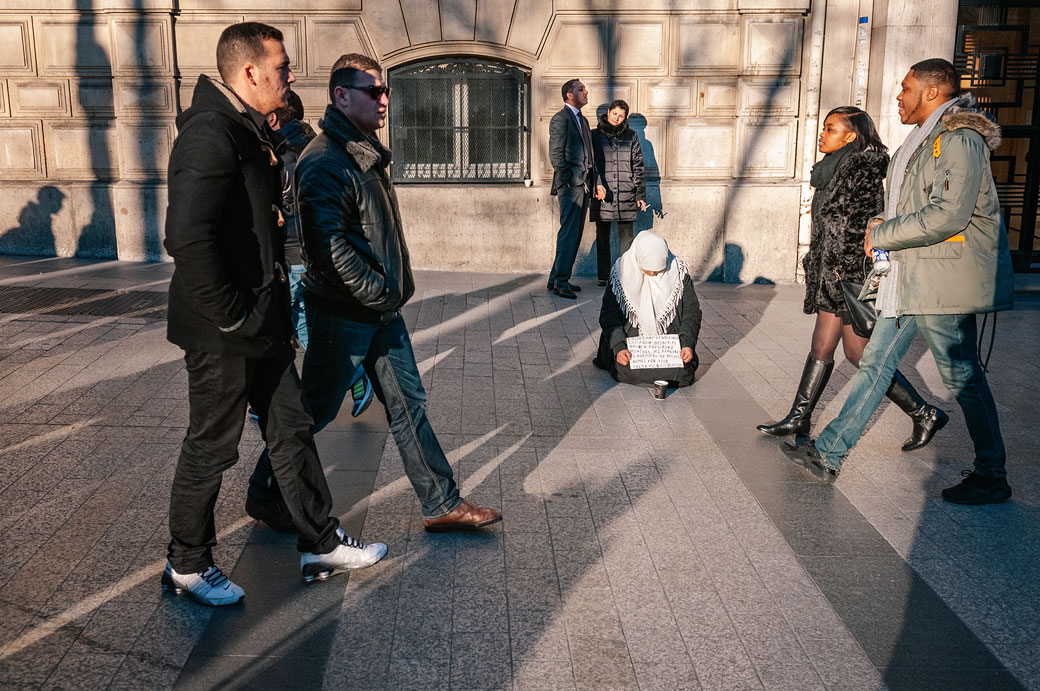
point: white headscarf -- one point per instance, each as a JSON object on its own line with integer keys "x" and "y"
{"x": 648, "y": 302}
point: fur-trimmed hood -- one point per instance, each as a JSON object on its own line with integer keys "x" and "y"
{"x": 965, "y": 113}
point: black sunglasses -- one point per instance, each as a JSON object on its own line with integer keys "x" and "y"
{"x": 373, "y": 91}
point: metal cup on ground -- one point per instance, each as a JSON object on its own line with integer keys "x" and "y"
{"x": 660, "y": 389}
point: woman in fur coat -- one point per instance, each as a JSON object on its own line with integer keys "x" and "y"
{"x": 848, "y": 186}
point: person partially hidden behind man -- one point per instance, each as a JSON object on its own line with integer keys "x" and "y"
{"x": 650, "y": 293}
{"x": 358, "y": 279}
{"x": 950, "y": 255}
{"x": 229, "y": 311}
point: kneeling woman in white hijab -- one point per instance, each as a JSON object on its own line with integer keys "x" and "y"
{"x": 650, "y": 293}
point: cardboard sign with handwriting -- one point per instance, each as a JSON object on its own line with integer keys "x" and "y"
{"x": 654, "y": 352}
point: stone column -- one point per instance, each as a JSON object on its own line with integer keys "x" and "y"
{"x": 904, "y": 32}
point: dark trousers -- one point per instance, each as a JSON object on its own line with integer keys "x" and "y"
{"x": 219, "y": 388}
{"x": 603, "y": 259}
{"x": 574, "y": 204}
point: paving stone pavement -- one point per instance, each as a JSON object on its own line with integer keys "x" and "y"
{"x": 646, "y": 544}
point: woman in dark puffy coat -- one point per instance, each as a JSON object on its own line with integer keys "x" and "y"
{"x": 848, "y": 186}
{"x": 620, "y": 161}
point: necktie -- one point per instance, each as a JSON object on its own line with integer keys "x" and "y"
{"x": 586, "y": 138}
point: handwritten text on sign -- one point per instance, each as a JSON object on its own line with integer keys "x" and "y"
{"x": 654, "y": 352}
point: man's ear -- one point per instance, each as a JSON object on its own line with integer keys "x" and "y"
{"x": 249, "y": 71}
{"x": 932, "y": 92}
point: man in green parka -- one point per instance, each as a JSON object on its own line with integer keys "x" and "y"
{"x": 943, "y": 227}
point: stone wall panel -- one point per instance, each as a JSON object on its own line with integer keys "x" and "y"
{"x": 702, "y": 149}
{"x": 40, "y": 97}
{"x": 577, "y": 45}
{"x": 142, "y": 45}
{"x": 69, "y": 45}
{"x": 530, "y": 20}
{"x": 144, "y": 149}
{"x": 669, "y": 97}
{"x": 766, "y": 149}
{"x": 422, "y": 17}
{"x": 717, "y": 97}
{"x": 768, "y": 97}
{"x": 771, "y": 45}
{"x": 458, "y": 19}
{"x": 5, "y": 107}
{"x": 708, "y": 45}
{"x": 328, "y": 39}
{"x": 493, "y": 20}
{"x": 78, "y": 151}
{"x": 16, "y": 45}
{"x": 140, "y": 98}
{"x": 93, "y": 98}
{"x": 640, "y": 46}
{"x": 21, "y": 150}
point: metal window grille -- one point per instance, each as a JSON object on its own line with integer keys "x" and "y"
{"x": 459, "y": 121}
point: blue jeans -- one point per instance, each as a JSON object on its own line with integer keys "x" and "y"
{"x": 299, "y": 319}
{"x": 339, "y": 346}
{"x": 951, "y": 338}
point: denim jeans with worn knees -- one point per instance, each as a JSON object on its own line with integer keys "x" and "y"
{"x": 219, "y": 387}
{"x": 951, "y": 338}
{"x": 336, "y": 348}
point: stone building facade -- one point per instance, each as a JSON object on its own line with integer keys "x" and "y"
{"x": 725, "y": 96}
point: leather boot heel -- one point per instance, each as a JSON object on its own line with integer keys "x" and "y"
{"x": 798, "y": 422}
{"x": 928, "y": 419}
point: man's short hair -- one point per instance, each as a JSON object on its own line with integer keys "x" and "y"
{"x": 242, "y": 43}
{"x": 940, "y": 73}
{"x": 292, "y": 111}
{"x": 567, "y": 87}
{"x": 346, "y": 68}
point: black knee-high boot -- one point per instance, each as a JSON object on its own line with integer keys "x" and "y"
{"x": 814, "y": 377}
{"x": 928, "y": 419}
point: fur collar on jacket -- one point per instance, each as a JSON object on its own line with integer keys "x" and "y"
{"x": 965, "y": 114}
{"x": 609, "y": 130}
{"x": 366, "y": 151}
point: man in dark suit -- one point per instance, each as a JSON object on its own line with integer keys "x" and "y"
{"x": 574, "y": 173}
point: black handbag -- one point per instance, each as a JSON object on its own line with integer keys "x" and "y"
{"x": 862, "y": 313}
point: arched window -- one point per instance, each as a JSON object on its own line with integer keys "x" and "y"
{"x": 459, "y": 120}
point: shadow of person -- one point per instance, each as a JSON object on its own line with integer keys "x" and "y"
{"x": 655, "y": 205}
{"x": 34, "y": 233}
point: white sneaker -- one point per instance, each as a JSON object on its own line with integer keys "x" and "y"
{"x": 211, "y": 587}
{"x": 350, "y": 554}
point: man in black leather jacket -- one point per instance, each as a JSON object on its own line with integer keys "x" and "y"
{"x": 229, "y": 311}
{"x": 358, "y": 278}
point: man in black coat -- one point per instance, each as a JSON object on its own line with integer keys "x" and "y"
{"x": 574, "y": 174}
{"x": 229, "y": 311}
{"x": 358, "y": 278}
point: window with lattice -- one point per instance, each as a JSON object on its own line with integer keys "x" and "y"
{"x": 459, "y": 121}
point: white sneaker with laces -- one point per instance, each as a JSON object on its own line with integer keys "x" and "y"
{"x": 350, "y": 554}
{"x": 211, "y": 587}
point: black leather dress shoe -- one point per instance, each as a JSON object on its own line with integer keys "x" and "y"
{"x": 576, "y": 289}
{"x": 565, "y": 292}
